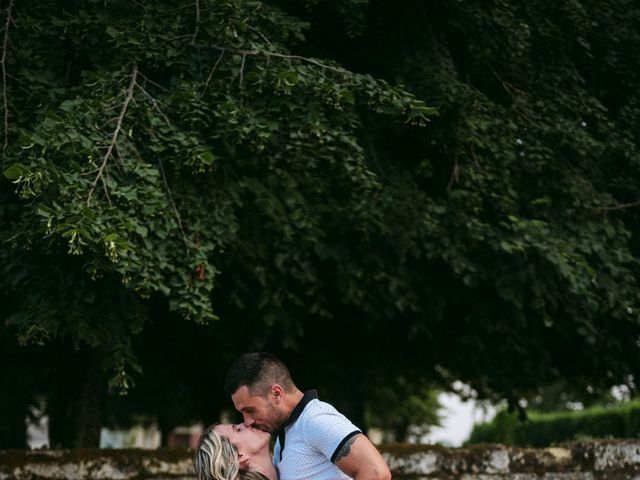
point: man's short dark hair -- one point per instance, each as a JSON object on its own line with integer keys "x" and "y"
{"x": 257, "y": 371}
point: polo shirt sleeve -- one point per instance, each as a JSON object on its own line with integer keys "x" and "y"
{"x": 327, "y": 432}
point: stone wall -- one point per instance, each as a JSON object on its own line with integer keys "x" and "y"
{"x": 580, "y": 461}
{"x": 588, "y": 461}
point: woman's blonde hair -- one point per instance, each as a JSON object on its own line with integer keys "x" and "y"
{"x": 217, "y": 459}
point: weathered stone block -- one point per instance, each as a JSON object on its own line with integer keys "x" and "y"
{"x": 612, "y": 460}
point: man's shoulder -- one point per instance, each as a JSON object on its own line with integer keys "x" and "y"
{"x": 321, "y": 416}
{"x": 317, "y": 408}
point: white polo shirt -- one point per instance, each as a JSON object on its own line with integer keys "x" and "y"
{"x": 313, "y": 436}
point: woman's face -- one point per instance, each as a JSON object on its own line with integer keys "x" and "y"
{"x": 246, "y": 439}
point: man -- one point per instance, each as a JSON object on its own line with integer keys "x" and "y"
{"x": 314, "y": 441}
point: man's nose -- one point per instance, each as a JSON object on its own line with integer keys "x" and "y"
{"x": 248, "y": 420}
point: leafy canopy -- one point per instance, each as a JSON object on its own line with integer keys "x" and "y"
{"x": 249, "y": 164}
{"x": 142, "y": 137}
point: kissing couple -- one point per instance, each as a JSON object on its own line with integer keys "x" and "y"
{"x": 313, "y": 441}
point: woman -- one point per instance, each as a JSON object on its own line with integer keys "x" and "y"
{"x": 234, "y": 452}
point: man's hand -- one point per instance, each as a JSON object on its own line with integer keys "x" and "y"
{"x": 360, "y": 459}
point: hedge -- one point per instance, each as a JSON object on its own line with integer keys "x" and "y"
{"x": 546, "y": 429}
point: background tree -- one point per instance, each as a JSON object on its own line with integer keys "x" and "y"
{"x": 402, "y": 410}
{"x": 269, "y": 177}
{"x": 520, "y": 222}
{"x": 148, "y": 147}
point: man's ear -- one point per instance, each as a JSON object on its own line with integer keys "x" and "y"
{"x": 276, "y": 392}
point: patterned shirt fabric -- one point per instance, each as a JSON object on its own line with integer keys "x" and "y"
{"x": 312, "y": 437}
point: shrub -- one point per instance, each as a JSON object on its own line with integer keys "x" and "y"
{"x": 545, "y": 429}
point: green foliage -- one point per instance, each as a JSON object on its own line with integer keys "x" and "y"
{"x": 565, "y": 396}
{"x": 547, "y": 429}
{"x": 145, "y": 139}
{"x": 268, "y": 165}
{"x": 402, "y": 404}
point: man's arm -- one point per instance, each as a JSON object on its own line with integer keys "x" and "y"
{"x": 360, "y": 459}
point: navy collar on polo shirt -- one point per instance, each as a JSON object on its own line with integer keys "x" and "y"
{"x": 295, "y": 414}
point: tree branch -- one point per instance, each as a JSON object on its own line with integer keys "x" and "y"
{"x": 215, "y": 67}
{"x": 106, "y": 191}
{"x": 147, "y": 79}
{"x": 173, "y": 205}
{"x": 509, "y": 88}
{"x": 155, "y": 104}
{"x": 195, "y": 33}
{"x": 622, "y": 206}
{"x": 476, "y": 162}
{"x": 374, "y": 156}
{"x": 114, "y": 139}
{"x": 244, "y": 57}
{"x": 454, "y": 175}
{"x": 242, "y": 51}
{"x": 259, "y": 33}
{"x": 246, "y": 22}
{"x": 5, "y": 46}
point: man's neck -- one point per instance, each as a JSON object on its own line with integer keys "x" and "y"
{"x": 291, "y": 400}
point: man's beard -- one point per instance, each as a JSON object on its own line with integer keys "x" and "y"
{"x": 279, "y": 420}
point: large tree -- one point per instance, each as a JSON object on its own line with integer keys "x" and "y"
{"x": 259, "y": 174}
{"x": 516, "y": 210}
{"x": 150, "y": 148}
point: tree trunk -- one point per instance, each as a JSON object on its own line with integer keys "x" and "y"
{"x": 17, "y": 381}
{"x": 165, "y": 429}
{"x": 400, "y": 432}
{"x": 13, "y": 414}
{"x": 75, "y": 400}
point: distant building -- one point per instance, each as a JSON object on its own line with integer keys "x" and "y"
{"x": 135, "y": 437}
{"x": 185, "y": 437}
